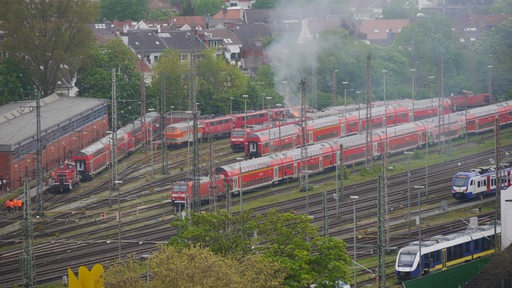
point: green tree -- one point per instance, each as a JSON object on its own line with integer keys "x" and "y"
{"x": 94, "y": 79}
{"x": 216, "y": 82}
{"x": 286, "y": 239}
{"x": 123, "y": 10}
{"x": 264, "y": 4}
{"x": 499, "y": 56}
{"x": 207, "y": 7}
{"x": 49, "y": 38}
{"x": 176, "y": 80}
{"x": 195, "y": 267}
{"x": 399, "y": 9}
{"x": 15, "y": 85}
{"x": 125, "y": 273}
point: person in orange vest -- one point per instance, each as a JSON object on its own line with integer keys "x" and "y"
{"x": 8, "y": 205}
{"x": 20, "y": 205}
{"x": 14, "y": 204}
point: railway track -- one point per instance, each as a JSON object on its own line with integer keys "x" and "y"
{"x": 84, "y": 238}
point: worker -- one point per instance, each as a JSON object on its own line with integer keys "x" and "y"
{"x": 8, "y": 205}
{"x": 20, "y": 205}
{"x": 14, "y": 205}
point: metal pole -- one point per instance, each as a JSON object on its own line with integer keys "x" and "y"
{"x": 230, "y": 105}
{"x": 418, "y": 188}
{"x": 307, "y": 191}
{"x": 345, "y": 92}
{"x": 354, "y": 198}
{"x": 413, "y": 88}
{"x": 240, "y": 183}
{"x": 408, "y": 153}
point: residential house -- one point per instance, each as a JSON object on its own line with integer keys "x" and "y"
{"x": 225, "y": 41}
{"x": 253, "y": 38}
{"x": 381, "y": 31}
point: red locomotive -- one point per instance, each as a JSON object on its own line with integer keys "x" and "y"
{"x": 96, "y": 157}
{"x": 64, "y": 178}
{"x": 286, "y": 166}
{"x": 467, "y": 100}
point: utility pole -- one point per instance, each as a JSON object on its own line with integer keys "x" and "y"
{"x": 497, "y": 247}
{"x": 368, "y": 112}
{"x": 380, "y": 242}
{"x": 39, "y": 169}
{"x": 326, "y": 214}
{"x": 303, "y": 134}
{"x": 27, "y": 256}
{"x": 163, "y": 127}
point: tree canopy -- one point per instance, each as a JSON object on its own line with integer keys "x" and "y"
{"x": 286, "y": 239}
{"x": 123, "y": 10}
{"x": 49, "y": 38}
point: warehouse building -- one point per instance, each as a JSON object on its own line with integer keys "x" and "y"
{"x": 67, "y": 125}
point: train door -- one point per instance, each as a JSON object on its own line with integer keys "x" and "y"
{"x": 488, "y": 182}
{"x": 253, "y": 148}
{"x": 276, "y": 172}
{"x": 420, "y": 138}
{"x": 310, "y": 137}
{"x": 235, "y": 183}
{"x": 444, "y": 258}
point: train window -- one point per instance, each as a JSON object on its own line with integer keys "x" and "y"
{"x": 449, "y": 255}
{"x": 468, "y": 247}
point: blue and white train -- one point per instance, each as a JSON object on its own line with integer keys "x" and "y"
{"x": 443, "y": 251}
{"x": 479, "y": 182}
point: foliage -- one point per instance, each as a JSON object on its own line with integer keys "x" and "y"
{"x": 217, "y": 81}
{"x": 14, "y": 83}
{"x": 399, "y": 9}
{"x": 49, "y": 38}
{"x": 195, "y": 267}
{"x": 94, "y": 79}
{"x": 265, "y": 4}
{"x": 430, "y": 41}
{"x": 207, "y": 7}
{"x": 122, "y": 10}
{"x": 124, "y": 273}
{"x": 176, "y": 81}
{"x": 500, "y": 51}
{"x": 285, "y": 239}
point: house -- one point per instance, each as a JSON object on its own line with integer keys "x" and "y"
{"x": 225, "y": 41}
{"x": 252, "y": 37}
{"x": 185, "y": 43}
{"x": 381, "y": 31}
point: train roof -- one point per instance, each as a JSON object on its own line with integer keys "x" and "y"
{"x": 98, "y": 145}
{"x": 284, "y": 130}
{"x": 441, "y": 241}
{"x": 18, "y": 120}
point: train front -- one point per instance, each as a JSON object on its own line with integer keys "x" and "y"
{"x": 180, "y": 190}
{"x": 406, "y": 266}
{"x": 460, "y": 184}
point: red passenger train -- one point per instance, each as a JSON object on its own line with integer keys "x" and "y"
{"x": 264, "y": 142}
{"x": 97, "y": 156}
{"x": 285, "y": 166}
{"x": 220, "y": 127}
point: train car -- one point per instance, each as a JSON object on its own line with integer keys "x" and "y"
{"x": 285, "y": 166}
{"x": 479, "y": 182}
{"x": 238, "y": 135}
{"x": 64, "y": 178}
{"x": 181, "y": 133}
{"x": 468, "y": 100}
{"x": 443, "y": 251}
{"x": 97, "y": 156}
{"x": 428, "y": 108}
{"x": 219, "y": 127}
{"x": 250, "y": 118}
{"x": 180, "y": 190}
